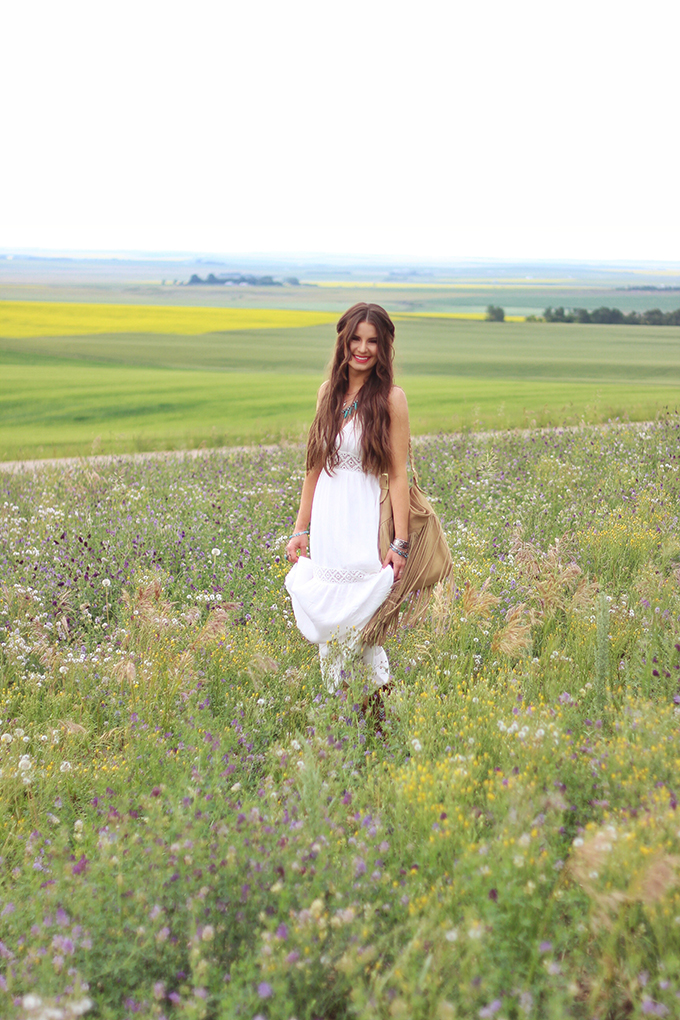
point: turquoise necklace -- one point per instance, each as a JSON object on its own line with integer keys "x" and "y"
{"x": 350, "y": 409}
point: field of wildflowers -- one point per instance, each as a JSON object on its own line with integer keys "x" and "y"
{"x": 191, "y": 826}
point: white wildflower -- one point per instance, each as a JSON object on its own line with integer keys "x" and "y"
{"x": 31, "y": 1001}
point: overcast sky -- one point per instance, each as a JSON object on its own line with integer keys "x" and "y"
{"x": 424, "y": 129}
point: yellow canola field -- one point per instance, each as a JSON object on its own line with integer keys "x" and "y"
{"x": 56, "y": 318}
{"x": 474, "y": 316}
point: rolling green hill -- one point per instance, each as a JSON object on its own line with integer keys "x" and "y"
{"x": 140, "y": 391}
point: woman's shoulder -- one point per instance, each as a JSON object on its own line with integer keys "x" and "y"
{"x": 397, "y": 400}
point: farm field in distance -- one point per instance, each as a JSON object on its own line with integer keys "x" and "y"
{"x": 192, "y": 826}
{"x": 72, "y": 394}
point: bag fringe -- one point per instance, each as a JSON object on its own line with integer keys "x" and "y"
{"x": 429, "y": 562}
{"x": 398, "y": 610}
{"x": 391, "y": 617}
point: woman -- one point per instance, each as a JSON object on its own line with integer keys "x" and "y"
{"x": 360, "y": 431}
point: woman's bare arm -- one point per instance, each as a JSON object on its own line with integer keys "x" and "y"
{"x": 398, "y": 478}
{"x": 298, "y": 546}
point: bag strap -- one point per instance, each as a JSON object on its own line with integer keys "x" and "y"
{"x": 412, "y": 465}
{"x": 411, "y": 462}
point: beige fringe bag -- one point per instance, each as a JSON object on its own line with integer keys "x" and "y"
{"x": 429, "y": 561}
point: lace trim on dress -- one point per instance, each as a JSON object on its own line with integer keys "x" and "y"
{"x": 338, "y": 575}
{"x": 348, "y": 461}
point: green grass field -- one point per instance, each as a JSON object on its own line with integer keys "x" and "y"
{"x": 193, "y": 827}
{"x": 124, "y": 391}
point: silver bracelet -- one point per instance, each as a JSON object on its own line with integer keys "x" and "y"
{"x": 298, "y": 533}
{"x": 399, "y": 552}
{"x": 401, "y": 543}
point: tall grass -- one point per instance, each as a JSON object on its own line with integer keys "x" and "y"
{"x": 192, "y": 826}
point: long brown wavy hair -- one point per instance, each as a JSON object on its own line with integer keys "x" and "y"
{"x": 373, "y": 409}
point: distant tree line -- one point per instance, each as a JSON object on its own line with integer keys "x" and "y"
{"x": 494, "y": 313}
{"x": 649, "y": 286}
{"x": 653, "y": 317}
{"x": 238, "y": 279}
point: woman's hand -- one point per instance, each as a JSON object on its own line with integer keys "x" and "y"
{"x": 296, "y": 547}
{"x": 398, "y": 563}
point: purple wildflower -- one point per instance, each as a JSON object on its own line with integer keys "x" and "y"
{"x": 652, "y": 1008}
{"x": 491, "y": 1009}
{"x": 80, "y": 866}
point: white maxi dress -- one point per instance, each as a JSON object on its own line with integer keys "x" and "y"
{"x": 336, "y": 590}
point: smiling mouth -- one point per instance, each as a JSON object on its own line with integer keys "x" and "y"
{"x": 362, "y": 357}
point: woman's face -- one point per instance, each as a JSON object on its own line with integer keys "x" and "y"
{"x": 363, "y": 348}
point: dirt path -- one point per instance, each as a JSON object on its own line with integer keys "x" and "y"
{"x": 105, "y": 459}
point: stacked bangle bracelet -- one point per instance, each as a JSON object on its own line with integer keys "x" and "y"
{"x": 400, "y": 547}
{"x": 298, "y": 533}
